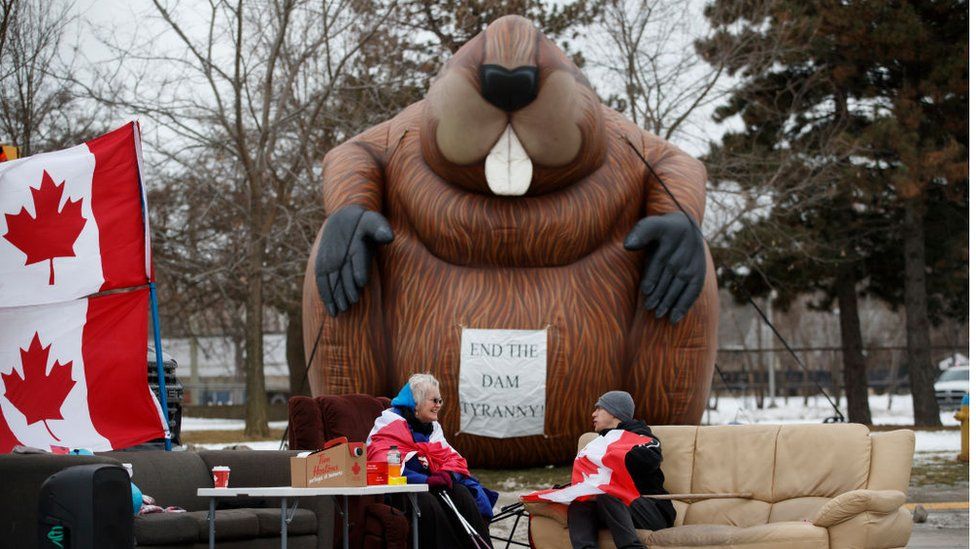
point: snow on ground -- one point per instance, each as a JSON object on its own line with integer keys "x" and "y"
{"x": 885, "y": 410}
{"x": 207, "y": 424}
{"x": 254, "y": 445}
{"x": 937, "y": 441}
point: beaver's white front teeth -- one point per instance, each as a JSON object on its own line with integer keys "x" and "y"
{"x": 508, "y": 167}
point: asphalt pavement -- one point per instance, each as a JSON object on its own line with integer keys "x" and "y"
{"x": 947, "y": 525}
{"x": 942, "y": 530}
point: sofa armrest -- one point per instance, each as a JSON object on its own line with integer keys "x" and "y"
{"x": 555, "y": 511}
{"x": 870, "y": 529}
{"x": 855, "y": 502}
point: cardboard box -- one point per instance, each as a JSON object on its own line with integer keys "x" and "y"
{"x": 339, "y": 463}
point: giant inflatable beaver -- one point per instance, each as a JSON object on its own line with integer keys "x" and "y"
{"x": 511, "y": 198}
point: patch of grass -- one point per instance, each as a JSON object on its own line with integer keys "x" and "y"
{"x": 523, "y": 480}
{"x": 224, "y": 437}
{"x": 945, "y": 472}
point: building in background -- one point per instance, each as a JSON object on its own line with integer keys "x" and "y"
{"x": 211, "y": 369}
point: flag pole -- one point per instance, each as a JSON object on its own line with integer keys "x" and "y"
{"x": 160, "y": 374}
{"x": 154, "y": 303}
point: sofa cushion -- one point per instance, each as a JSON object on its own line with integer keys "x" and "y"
{"x": 891, "y": 460}
{"x": 269, "y": 522}
{"x": 249, "y": 468}
{"x": 784, "y": 534}
{"x": 735, "y": 459}
{"x": 230, "y": 524}
{"x": 796, "y": 509}
{"x": 678, "y": 448}
{"x": 680, "y": 510}
{"x": 172, "y": 478}
{"x": 728, "y": 511}
{"x": 546, "y": 532}
{"x": 821, "y": 460}
{"x": 166, "y": 529}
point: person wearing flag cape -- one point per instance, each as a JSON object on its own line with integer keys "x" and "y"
{"x": 610, "y": 475}
{"x": 456, "y": 512}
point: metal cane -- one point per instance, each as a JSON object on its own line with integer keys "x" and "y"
{"x": 479, "y": 541}
{"x": 475, "y": 536}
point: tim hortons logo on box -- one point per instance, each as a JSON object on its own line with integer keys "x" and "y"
{"x": 338, "y": 463}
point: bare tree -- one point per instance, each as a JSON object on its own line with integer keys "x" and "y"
{"x": 6, "y": 13}
{"x": 38, "y": 107}
{"x": 647, "y": 50}
{"x": 241, "y": 94}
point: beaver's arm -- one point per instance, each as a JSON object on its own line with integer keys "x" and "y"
{"x": 352, "y": 172}
{"x": 684, "y": 175}
{"x": 675, "y": 270}
{"x": 352, "y": 189}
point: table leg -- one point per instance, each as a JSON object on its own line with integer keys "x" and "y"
{"x": 284, "y": 523}
{"x": 413, "y": 520}
{"x": 345, "y": 522}
{"x": 211, "y": 519}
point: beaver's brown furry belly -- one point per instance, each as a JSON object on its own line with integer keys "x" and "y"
{"x": 586, "y": 307}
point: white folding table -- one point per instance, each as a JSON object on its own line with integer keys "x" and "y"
{"x": 286, "y": 492}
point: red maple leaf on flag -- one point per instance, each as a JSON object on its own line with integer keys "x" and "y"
{"x": 51, "y": 233}
{"x": 39, "y": 395}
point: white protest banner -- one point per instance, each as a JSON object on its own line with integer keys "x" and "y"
{"x": 502, "y": 386}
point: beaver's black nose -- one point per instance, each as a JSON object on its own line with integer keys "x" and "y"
{"x": 509, "y": 89}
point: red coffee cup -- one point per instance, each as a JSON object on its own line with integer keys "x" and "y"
{"x": 221, "y": 476}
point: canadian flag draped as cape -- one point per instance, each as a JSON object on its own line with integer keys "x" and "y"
{"x": 73, "y": 362}
{"x": 599, "y": 469}
{"x": 390, "y": 429}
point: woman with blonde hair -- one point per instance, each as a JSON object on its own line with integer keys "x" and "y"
{"x": 411, "y": 425}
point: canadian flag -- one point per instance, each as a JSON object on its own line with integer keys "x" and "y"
{"x": 73, "y": 226}
{"x": 74, "y": 374}
{"x": 599, "y": 468}
{"x": 72, "y": 222}
{"x": 390, "y": 429}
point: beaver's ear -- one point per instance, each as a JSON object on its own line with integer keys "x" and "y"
{"x": 552, "y": 58}
{"x": 467, "y": 60}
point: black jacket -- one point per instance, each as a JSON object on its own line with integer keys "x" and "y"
{"x": 644, "y": 465}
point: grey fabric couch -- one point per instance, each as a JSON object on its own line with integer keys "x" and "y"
{"x": 172, "y": 478}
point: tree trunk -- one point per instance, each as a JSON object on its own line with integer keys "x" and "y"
{"x": 295, "y": 354}
{"x": 256, "y": 404}
{"x": 920, "y": 371}
{"x": 855, "y": 365}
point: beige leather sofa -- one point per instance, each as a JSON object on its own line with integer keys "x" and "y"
{"x": 809, "y": 486}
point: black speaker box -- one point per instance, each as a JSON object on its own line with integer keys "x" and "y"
{"x": 86, "y": 507}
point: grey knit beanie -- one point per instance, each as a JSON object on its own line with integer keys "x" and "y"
{"x": 619, "y": 403}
